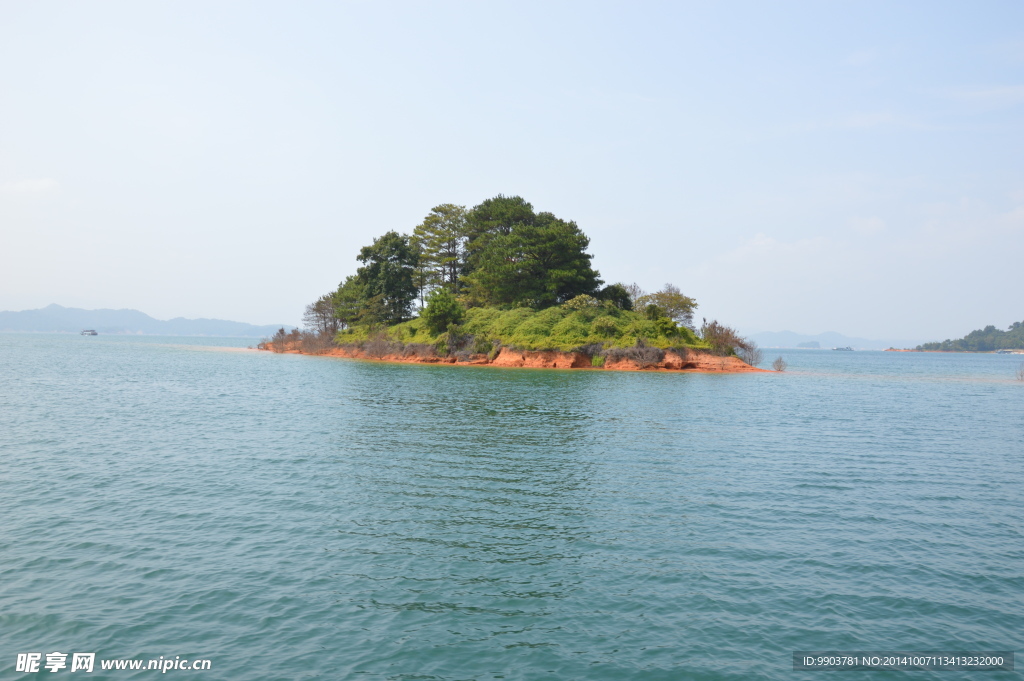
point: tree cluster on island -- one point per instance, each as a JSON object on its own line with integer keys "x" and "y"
{"x": 989, "y": 339}
{"x": 500, "y": 274}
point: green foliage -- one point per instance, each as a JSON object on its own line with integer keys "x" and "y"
{"x": 581, "y": 302}
{"x": 618, "y": 295}
{"x": 442, "y": 311}
{"x": 637, "y": 329}
{"x": 348, "y": 301}
{"x": 652, "y": 312}
{"x": 605, "y": 325}
{"x": 666, "y": 327}
{"x": 597, "y": 361}
{"x": 372, "y": 312}
{"x": 532, "y": 332}
{"x": 673, "y": 304}
{"x": 573, "y": 328}
{"x": 482, "y": 344}
{"x": 504, "y": 253}
{"x": 441, "y": 238}
{"x": 457, "y": 336}
{"x": 505, "y": 323}
{"x": 554, "y": 328}
{"x": 482, "y": 319}
{"x": 517, "y": 258}
{"x": 453, "y": 340}
{"x": 525, "y": 277}
{"x": 983, "y": 340}
{"x": 499, "y": 215}
{"x": 387, "y": 274}
{"x": 424, "y": 277}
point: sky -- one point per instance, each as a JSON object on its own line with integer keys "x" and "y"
{"x": 845, "y": 166}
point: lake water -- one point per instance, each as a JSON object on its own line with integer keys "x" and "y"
{"x": 292, "y": 517}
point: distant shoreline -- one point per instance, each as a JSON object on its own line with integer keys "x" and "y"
{"x": 131, "y": 334}
{"x": 960, "y": 352}
{"x": 125, "y": 322}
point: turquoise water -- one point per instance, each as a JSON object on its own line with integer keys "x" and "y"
{"x": 293, "y": 517}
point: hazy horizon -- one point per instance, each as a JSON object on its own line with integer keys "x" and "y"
{"x": 756, "y": 335}
{"x": 797, "y": 167}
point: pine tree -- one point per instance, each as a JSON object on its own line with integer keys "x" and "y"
{"x": 441, "y": 239}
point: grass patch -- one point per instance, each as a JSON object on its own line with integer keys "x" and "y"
{"x": 555, "y": 328}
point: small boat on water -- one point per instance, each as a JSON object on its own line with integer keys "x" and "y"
{"x": 846, "y": 349}
{"x": 89, "y": 332}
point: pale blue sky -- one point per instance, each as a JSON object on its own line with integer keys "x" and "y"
{"x": 811, "y": 166}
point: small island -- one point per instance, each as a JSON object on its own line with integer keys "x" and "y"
{"x": 504, "y": 285}
{"x": 989, "y": 339}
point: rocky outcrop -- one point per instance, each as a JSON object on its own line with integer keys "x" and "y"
{"x": 543, "y": 359}
{"x": 551, "y": 359}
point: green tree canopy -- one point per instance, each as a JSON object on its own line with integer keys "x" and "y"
{"x": 618, "y": 295}
{"x": 442, "y": 311}
{"x": 500, "y": 215}
{"x": 673, "y": 304}
{"x": 441, "y": 238}
{"x": 388, "y": 275}
{"x": 983, "y": 340}
{"x": 536, "y": 262}
{"x": 491, "y": 218}
{"x": 349, "y": 301}
{"x": 501, "y": 253}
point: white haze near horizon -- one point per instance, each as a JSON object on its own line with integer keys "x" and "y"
{"x": 850, "y": 167}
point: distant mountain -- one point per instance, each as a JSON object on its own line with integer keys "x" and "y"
{"x": 58, "y": 319}
{"x": 827, "y": 340}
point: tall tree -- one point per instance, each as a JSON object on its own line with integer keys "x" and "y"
{"x": 635, "y": 294}
{"x": 423, "y": 276}
{"x": 500, "y": 215}
{"x": 618, "y": 295}
{"x": 387, "y": 274}
{"x": 442, "y": 311}
{"x": 676, "y": 306}
{"x": 349, "y": 301}
{"x": 441, "y": 238}
{"x": 493, "y": 218}
{"x": 320, "y": 316}
{"x": 535, "y": 264}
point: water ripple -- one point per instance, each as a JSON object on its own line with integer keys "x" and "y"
{"x": 293, "y": 517}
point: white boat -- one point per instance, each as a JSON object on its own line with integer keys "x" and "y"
{"x": 89, "y": 332}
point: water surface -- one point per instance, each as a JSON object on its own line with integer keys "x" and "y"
{"x": 295, "y": 517}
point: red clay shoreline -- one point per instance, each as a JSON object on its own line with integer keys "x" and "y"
{"x": 693, "y": 362}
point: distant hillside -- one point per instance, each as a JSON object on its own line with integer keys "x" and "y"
{"x": 983, "y": 340}
{"x": 827, "y": 340}
{"x": 58, "y": 319}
